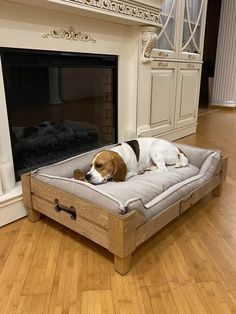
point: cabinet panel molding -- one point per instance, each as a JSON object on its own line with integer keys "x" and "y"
{"x": 163, "y": 99}
{"x": 187, "y": 95}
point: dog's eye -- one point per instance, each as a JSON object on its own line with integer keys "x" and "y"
{"x": 98, "y": 166}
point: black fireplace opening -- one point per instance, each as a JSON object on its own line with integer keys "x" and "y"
{"x": 59, "y": 104}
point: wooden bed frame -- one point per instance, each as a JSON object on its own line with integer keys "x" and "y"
{"x": 120, "y": 234}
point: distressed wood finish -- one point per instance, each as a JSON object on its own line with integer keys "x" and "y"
{"x": 33, "y": 215}
{"x": 120, "y": 234}
{"x": 87, "y": 210}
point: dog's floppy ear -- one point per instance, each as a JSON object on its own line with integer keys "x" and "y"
{"x": 120, "y": 169}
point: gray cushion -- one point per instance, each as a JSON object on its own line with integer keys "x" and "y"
{"x": 148, "y": 185}
{"x": 148, "y": 193}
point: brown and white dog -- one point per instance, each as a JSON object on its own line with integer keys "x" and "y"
{"x": 128, "y": 159}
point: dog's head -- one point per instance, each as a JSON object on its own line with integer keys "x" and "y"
{"x": 107, "y": 165}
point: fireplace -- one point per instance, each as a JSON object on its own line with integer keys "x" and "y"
{"x": 103, "y": 32}
{"x": 59, "y": 104}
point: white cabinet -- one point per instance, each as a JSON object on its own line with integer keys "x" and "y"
{"x": 188, "y": 84}
{"x": 172, "y": 80}
{"x": 163, "y": 97}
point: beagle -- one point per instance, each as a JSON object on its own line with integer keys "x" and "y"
{"x": 130, "y": 158}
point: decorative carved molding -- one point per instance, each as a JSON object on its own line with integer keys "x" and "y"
{"x": 69, "y": 34}
{"x": 149, "y": 41}
{"x": 123, "y": 8}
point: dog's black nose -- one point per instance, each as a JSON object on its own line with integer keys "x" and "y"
{"x": 87, "y": 176}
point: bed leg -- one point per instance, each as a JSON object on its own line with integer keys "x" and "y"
{"x": 122, "y": 265}
{"x": 217, "y": 191}
{"x": 122, "y": 240}
{"x": 33, "y": 215}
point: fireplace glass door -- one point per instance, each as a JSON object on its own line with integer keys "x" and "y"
{"x": 59, "y": 104}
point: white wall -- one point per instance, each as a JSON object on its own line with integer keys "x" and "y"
{"x": 224, "y": 88}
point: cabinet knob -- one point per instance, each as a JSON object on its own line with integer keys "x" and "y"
{"x": 191, "y": 57}
{"x": 163, "y": 54}
{"x": 163, "y": 64}
{"x": 190, "y": 65}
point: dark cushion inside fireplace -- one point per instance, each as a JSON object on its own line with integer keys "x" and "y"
{"x": 149, "y": 193}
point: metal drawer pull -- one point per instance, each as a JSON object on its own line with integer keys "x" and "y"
{"x": 191, "y": 57}
{"x": 163, "y": 54}
{"x": 163, "y": 64}
{"x": 70, "y": 210}
{"x": 190, "y": 65}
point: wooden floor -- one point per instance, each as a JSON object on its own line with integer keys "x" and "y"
{"x": 188, "y": 267}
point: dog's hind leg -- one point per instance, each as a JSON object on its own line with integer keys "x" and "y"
{"x": 158, "y": 160}
{"x": 182, "y": 161}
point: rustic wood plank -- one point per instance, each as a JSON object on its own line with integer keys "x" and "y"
{"x": 222, "y": 171}
{"x": 122, "y": 234}
{"x": 83, "y": 208}
{"x": 27, "y": 199}
{"x": 84, "y": 227}
{"x": 160, "y": 220}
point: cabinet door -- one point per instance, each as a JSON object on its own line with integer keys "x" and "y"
{"x": 162, "y": 97}
{"x": 188, "y": 85}
{"x": 193, "y": 29}
{"x": 166, "y": 46}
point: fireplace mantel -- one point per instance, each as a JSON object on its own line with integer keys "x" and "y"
{"x": 129, "y": 12}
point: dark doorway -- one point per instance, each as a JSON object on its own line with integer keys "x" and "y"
{"x": 209, "y": 52}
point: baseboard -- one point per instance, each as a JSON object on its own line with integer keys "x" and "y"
{"x": 178, "y": 133}
{"x": 226, "y": 105}
{"x": 11, "y": 206}
{"x": 12, "y": 212}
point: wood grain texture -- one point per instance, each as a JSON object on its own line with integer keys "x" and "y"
{"x": 187, "y": 267}
{"x": 27, "y": 198}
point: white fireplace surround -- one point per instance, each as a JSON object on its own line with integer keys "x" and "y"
{"x": 38, "y": 25}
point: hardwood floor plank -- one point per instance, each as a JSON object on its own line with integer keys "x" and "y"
{"x": 42, "y": 270}
{"x": 125, "y": 296}
{"x": 36, "y": 304}
{"x": 97, "y": 265}
{"x": 66, "y": 293}
{"x": 97, "y": 301}
{"x": 148, "y": 270}
{"x": 8, "y": 235}
{"x": 218, "y": 299}
{"x": 16, "y": 268}
{"x": 162, "y": 300}
{"x": 188, "y": 298}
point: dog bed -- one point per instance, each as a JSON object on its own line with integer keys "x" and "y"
{"x": 121, "y": 215}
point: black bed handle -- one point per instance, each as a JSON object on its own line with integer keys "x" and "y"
{"x": 70, "y": 210}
